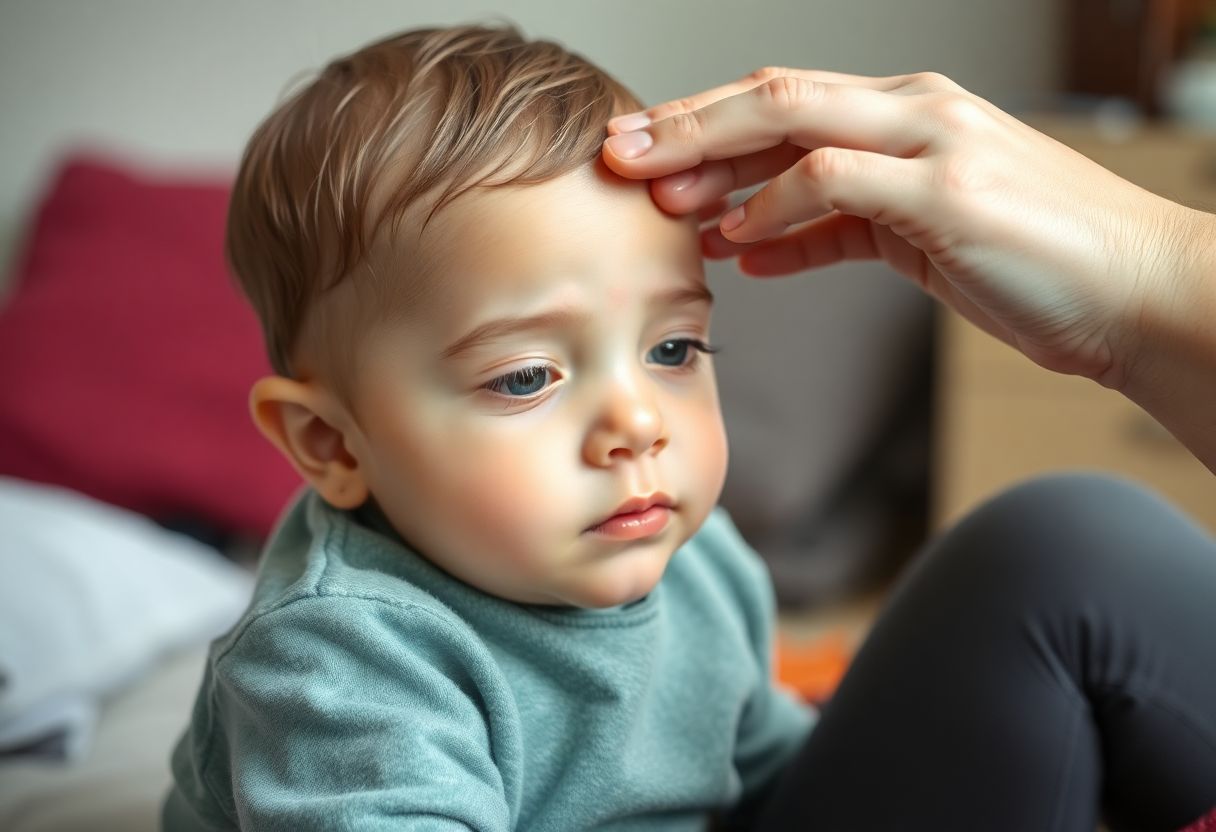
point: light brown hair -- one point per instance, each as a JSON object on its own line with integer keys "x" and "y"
{"x": 423, "y": 115}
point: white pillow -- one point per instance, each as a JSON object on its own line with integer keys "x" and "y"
{"x": 90, "y": 597}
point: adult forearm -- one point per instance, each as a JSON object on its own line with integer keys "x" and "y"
{"x": 1170, "y": 369}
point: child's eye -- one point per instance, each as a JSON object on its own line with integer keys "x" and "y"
{"x": 525, "y": 382}
{"x": 675, "y": 353}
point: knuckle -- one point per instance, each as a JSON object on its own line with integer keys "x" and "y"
{"x": 934, "y": 81}
{"x": 788, "y": 92}
{"x": 687, "y": 126}
{"x": 822, "y": 165}
{"x": 680, "y": 105}
{"x": 661, "y": 111}
{"x": 767, "y": 73}
{"x": 957, "y": 112}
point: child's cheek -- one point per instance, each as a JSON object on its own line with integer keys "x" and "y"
{"x": 696, "y": 426}
{"x": 710, "y": 464}
{"x": 519, "y": 490}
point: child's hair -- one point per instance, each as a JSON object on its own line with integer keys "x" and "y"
{"x": 425, "y": 114}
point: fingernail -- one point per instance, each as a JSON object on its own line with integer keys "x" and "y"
{"x": 732, "y": 219}
{"x": 682, "y": 181}
{"x": 629, "y": 122}
{"x": 630, "y": 145}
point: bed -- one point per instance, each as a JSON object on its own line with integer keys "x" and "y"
{"x": 104, "y": 620}
{"x": 125, "y": 359}
{"x": 119, "y": 784}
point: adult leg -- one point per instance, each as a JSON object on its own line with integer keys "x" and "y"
{"x": 1052, "y": 654}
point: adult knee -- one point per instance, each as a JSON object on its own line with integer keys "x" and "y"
{"x": 1062, "y": 527}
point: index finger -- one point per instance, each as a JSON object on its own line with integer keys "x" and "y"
{"x": 802, "y": 112}
{"x": 634, "y": 121}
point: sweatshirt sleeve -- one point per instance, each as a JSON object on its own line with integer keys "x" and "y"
{"x": 773, "y": 727}
{"x": 774, "y": 724}
{"x": 353, "y": 713}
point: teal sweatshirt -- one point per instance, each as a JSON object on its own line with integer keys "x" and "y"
{"x": 366, "y": 689}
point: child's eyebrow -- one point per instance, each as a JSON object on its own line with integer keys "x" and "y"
{"x": 565, "y": 316}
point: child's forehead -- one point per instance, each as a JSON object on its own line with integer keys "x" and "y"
{"x": 564, "y": 199}
{"x": 579, "y": 241}
{"x": 585, "y": 214}
{"x": 583, "y": 240}
{"x": 567, "y": 250}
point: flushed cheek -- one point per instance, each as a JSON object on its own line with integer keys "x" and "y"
{"x": 523, "y": 494}
{"x": 700, "y": 437}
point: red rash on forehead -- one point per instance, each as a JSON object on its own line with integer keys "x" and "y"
{"x": 618, "y": 296}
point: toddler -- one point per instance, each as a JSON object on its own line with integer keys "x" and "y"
{"x": 505, "y": 600}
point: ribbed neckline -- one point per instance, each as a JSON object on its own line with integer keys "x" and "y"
{"x": 631, "y": 614}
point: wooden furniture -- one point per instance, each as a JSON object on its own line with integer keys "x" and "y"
{"x": 1000, "y": 418}
{"x": 1124, "y": 48}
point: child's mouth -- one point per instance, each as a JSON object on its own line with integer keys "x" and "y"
{"x": 637, "y": 518}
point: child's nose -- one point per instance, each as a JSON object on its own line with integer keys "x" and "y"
{"x": 629, "y": 425}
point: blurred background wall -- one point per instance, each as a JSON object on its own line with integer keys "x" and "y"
{"x": 825, "y": 380}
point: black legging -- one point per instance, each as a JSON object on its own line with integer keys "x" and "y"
{"x": 1049, "y": 661}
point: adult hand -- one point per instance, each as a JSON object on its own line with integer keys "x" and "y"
{"x": 1026, "y": 238}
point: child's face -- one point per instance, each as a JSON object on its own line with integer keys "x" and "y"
{"x": 497, "y": 456}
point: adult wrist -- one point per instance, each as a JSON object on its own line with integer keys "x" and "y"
{"x": 1170, "y": 366}
{"x": 1166, "y": 327}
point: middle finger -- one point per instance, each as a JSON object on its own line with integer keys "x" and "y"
{"x": 688, "y": 191}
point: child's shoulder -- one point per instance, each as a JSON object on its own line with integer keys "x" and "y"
{"x": 339, "y": 646}
{"x": 318, "y": 550}
{"x": 322, "y": 573}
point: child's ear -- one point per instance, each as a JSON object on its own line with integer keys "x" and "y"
{"x": 299, "y": 419}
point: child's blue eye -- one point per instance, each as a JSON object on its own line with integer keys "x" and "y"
{"x": 674, "y": 353}
{"x": 523, "y": 382}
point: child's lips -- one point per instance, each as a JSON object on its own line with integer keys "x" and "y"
{"x": 634, "y": 525}
{"x": 637, "y": 518}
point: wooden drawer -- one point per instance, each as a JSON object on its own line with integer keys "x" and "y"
{"x": 1002, "y": 419}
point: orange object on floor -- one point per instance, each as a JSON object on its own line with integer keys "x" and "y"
{"x": 813, "y": 668}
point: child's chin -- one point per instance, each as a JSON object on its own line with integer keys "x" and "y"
{"x": 632, "y": 585}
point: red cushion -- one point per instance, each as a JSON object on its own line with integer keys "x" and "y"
{"x": 126, "y": 354}
{"x": 1207, "y": 823}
